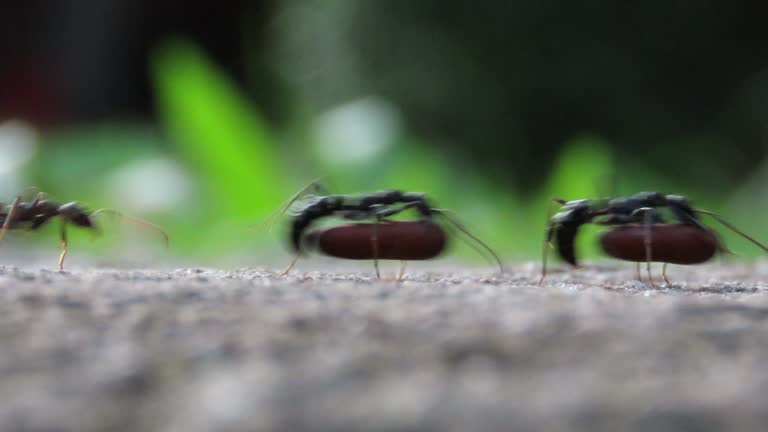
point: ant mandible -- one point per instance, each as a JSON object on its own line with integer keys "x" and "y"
{"x": 32, "y": 215}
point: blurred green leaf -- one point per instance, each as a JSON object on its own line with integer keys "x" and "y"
{"x": 217, "y": 130}
{"x": 76, "y": 161}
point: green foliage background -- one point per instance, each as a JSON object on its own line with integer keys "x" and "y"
{"x": 243, "y": 171}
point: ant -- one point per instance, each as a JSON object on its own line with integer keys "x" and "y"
{"x": 32, "y": 215}
{"x": 639, "y": 210}
{"x": 382, "y": 239}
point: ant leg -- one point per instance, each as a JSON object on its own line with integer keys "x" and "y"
{"x": 639, "y": 276}
{"x": 9, "y": 218}
{"x": 293, "y": 263}
{"x": 544, "y": 255}
{"x": 648, "y": 227}
{"x": 446, "y": 214}
{"x": 402, "y": 271}
{"x": 664, "y": 274}
{"x": 63, "y": 245}
{"x": 548, "y": 240}
{"x": 380, "y": 215}
{"x": 649, "y": 216}
{"x": 375, "y": 245}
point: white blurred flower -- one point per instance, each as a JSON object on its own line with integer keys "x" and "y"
{"x": 356, "y": 131}
{"x": 18, "y": 143}
{"x": 150, "y": 185}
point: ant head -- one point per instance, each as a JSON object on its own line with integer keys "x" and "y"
{"x": 331, "y": 201}
{"x": 576, "y": 211}
{"x": 579, "y": 206}
{"x": 76, "y": 214}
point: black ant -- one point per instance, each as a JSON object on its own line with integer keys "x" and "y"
{"x": 34, "y": 214}
{"x": 421, "y": 239}
{"x": 641, "y": 208}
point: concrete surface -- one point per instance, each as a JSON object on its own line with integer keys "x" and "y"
{"x": 204, "y": 349}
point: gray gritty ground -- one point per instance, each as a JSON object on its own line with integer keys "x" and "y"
{"x": 452, "y": 350}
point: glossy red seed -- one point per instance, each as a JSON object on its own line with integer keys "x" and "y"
{"x": 397, "y": 240}
{"x": 670, "y": 243}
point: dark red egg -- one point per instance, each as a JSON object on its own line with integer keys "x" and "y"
{"x": 397, "y": 240}
{"x": 670, "y": 243}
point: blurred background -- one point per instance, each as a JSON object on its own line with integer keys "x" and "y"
{"x": 204, "y": 117}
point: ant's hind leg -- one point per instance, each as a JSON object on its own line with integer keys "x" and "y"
{"x": 63, "y": 245}
{"x": 648, "y": 217}
{"x": 9, "y": 218}
{"x": 402, "y": 271}
{"x": 664, "y": 274}
{"x": 375, "y": 245}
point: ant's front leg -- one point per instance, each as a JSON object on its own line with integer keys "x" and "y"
{"x": 649, "y": 216}
{"x": 375, "y": 245}
{"x": 63, "y": 244}
{"x": 290, "y": 266}
{"x": 10, "y": 218}
{"x": 380, "y": 215}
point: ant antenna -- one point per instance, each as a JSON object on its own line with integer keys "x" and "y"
{"x": 270, "y": 221}
{"x": 732, "y": 228}
{"x": 452, "y": 230}
{"x": 136, "y": 221}
{"x": 545, "y": 254}
{"x": 461, "y": 227}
